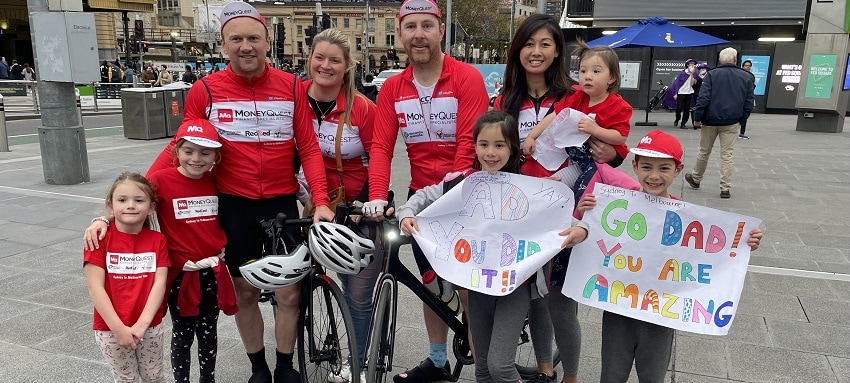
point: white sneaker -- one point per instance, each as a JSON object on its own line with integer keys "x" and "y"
{"x": 345, "y": 376}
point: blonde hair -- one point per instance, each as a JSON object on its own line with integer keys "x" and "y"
{"x": 335, "y": 37}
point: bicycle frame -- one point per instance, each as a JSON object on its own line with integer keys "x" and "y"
{"x": 396, "y": 272}
{"x": 328, "y": 350}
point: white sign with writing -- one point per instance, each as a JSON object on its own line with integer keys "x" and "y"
{"x": 660, "y": 260}
{"x": 495, "y": 230}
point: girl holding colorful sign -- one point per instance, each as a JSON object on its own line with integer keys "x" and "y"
{"x": 657, "y": 162}
{"x": 497, "y": 148}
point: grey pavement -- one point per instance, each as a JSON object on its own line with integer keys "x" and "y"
{"x": 791, "y": 325}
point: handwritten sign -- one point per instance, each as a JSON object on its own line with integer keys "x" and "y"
{"x": 495, "y": 230}
{"x": 661, "y": 260}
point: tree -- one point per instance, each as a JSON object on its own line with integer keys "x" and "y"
{"x": 486, "y": 26}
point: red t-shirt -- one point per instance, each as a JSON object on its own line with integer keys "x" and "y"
{"x": 130, "y": 261}
{"x": 613, "y": 113}
{"x": 188, "y": 215}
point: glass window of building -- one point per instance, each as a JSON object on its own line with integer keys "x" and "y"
{"x": 345, "y": 23}
{"x": 389, "y": 24}
{"x": 390, "y": 40}
{"x": 300, "y": 30}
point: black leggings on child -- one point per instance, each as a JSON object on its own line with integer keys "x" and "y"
{"x": 185, "y": 328}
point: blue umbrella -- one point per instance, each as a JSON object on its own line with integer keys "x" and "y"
{"x": 655, "y": 32}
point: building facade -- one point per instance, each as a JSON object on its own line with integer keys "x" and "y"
{"x": 773, "y": 32}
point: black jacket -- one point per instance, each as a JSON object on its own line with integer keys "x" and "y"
{"x": 726, "y": 96}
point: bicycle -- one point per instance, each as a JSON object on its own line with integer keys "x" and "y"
{"x": 653, "y": 103}
{"x": 326, "y": 339}
{"x": 381, "y": 338}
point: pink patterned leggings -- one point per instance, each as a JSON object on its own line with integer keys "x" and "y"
{"x": 145, "y": 362}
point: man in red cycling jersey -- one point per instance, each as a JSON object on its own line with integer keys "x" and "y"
{"x": 434, "y": 103}
{"x": 261, "y": 114}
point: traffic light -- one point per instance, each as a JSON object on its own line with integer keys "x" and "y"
{"x": 139, "y": 30}
{"x": 310, "y": 32}
{"x": 132, "y": 45}
{"x": 326, "y": 21}
{"x": 144, "y": 47}
{"x": 391, "y": 54}
{"x": 280, "y": 38}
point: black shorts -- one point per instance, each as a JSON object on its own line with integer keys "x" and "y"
{"x": 240, "y": 219}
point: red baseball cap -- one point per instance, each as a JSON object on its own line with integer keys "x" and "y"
{"x": 412, "y": 7}
{"x": 239, "y": 9}
{"x": 659, "y": 145}
{"x": 199, "y": 132}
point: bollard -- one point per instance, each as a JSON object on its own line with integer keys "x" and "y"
{"x": 34, "y": 88}
{"x": 94, "y": 87}
{"x": 4, "y": 140}
{"x": 79, "y": 110}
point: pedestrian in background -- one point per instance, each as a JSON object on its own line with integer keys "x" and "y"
{"x": 129, "y": 74}
{"x": 747, "y": 65}
{"x": 164, "y": 77}
{"x": 4, "y": 69}
{"x": 726, "y": 98}
{"x": 189, "y": 77}
{"x": 684, "y": 88}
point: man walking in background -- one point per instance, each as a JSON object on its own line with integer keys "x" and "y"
{"x": 725, "y": 99}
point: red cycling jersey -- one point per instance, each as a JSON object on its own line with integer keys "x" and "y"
{"x": 437, "y": 144}
{"x": 529, "y": 116}
{"x": 354, "y": 145}
{"x": 260, "y": 122}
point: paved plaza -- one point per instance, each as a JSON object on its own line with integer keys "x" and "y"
{"x": 792, "y": 323}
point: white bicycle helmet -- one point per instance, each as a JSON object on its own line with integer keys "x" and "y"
{"x": 276, "y": 271}
{"x": 337, "y": 248}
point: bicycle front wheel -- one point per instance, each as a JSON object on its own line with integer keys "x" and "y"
{"x": 327, "y": 340}
{"x": 380, "y": 336}
{"x": 526, "y": 362}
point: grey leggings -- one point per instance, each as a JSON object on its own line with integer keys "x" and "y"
{"x": 625, "y": 340}
{"x": 556, "y": 313}
{"x": 496, "y": 323}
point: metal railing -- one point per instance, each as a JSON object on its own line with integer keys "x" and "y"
{"x": 17, "y": 104}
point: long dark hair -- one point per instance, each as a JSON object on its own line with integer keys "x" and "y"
{"x": 557, "y": 75}
{"x": 510, "y": 130}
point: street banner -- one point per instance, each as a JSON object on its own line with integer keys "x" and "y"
{"x": 662, "y": 261}
{"x": 495, "y": 230}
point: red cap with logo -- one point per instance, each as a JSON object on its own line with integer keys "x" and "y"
{"x": 239, "y": 9}
{"x": 412, "y": 7}
{"x": 659, "y": 145}
{"x": 199, "y": 132}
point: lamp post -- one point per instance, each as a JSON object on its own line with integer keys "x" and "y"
{"x": 174, "y": 46}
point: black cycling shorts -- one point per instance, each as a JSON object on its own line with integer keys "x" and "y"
{"x": 240, "y": 219}
{"x": 421, "y": 260}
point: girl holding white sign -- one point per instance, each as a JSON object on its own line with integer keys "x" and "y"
{"x": 497, "y": 148}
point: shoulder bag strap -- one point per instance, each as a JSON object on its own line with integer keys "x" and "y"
{"x": 338, "y": 147}
{"x": 209, "y": 109}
